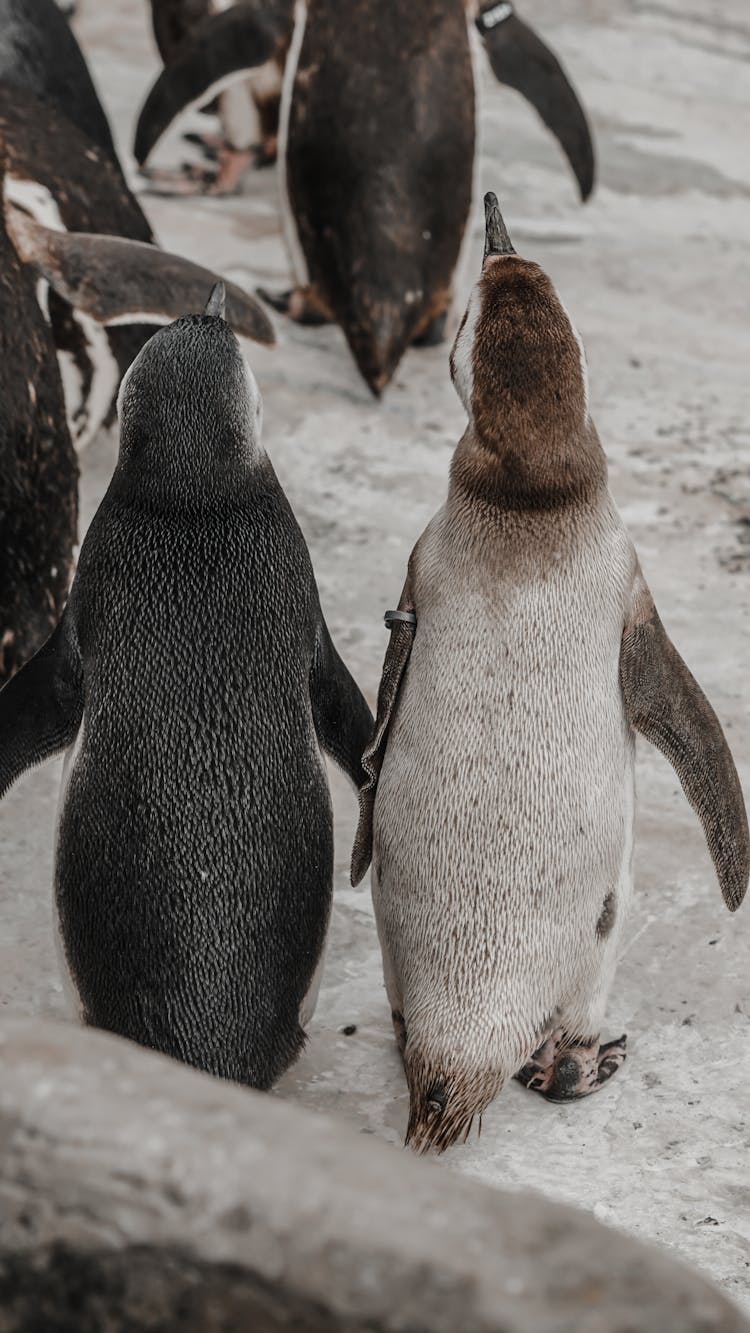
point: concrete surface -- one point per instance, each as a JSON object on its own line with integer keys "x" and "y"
{"x": 656, "y": 273}
{"x": 110, "y": 1221}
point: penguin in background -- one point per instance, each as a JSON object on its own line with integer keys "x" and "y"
{"x": 376, "y": 148}
{"x": 247, "y": 111}
{"x": 524, "y": 657}
{"x": 194, "y": 684}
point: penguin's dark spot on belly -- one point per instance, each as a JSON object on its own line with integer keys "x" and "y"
{"x": 607, "y": 917}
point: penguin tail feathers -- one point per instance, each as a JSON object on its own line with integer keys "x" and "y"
{"x": 443, "y": 1107}
{"x": 378, "y": 340}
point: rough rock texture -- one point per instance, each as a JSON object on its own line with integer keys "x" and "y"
{"x": 137, "y": 1194}
{"x": 656, "y": 272}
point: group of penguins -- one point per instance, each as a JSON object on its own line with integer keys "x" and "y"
{"x": 187, "y": 672}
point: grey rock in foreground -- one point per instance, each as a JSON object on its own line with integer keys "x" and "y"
{"x": 136, "y": 1194}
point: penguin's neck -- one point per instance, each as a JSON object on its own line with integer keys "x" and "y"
{"x": 528, "y": 470}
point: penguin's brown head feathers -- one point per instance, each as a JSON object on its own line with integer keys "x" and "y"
{"x": 519, "y": 368}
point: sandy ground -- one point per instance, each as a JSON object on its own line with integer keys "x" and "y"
{"x": 656, "y": 273}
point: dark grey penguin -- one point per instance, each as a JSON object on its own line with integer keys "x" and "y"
{"x": 376, "y": 148}
{"x": 194, "y": 681}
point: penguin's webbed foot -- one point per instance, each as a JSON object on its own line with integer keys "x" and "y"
{"x": 301, "y": 304}
{"x": 564, "y": 1070}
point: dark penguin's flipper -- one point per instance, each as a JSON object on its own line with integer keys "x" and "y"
{"x": 521, "y": 59}
{"x": 668, "y": 707}
{"x": 343, "y": 722}
{"x": 41, "y": 706}
{"x": 403, "y": 627}
{"x": 216, "y": 51}
{"x": 117, "y": 281}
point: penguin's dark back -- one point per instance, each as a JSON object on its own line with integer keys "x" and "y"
{"x": 38, "y": 470}
{"x": 381, "y": 142}
{"x": 195, "y": 848}
{"x": 38, "y": 51}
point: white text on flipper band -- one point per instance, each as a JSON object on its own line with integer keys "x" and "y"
{"x": 491, "y": 17}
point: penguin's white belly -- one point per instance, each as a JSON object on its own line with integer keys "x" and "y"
{"x": 504, "y": 810}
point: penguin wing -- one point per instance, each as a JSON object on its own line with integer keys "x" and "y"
{"x": 216, "y": 52}
{"x": 41, "y": 706}
{"x": 119, "y": 281}
{"x": 521, "y": 59}
{"x": 343, "y": 721}
{"x": 396, "y": 660}
{"x": 667, "y": 706}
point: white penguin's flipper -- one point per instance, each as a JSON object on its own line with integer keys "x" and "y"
{"x": 520, "y": 59}
{"x": 217, "y": 52}
{"x": 41, "y": 706}
{"x": 668, "y": 707}
{"x": 119, "y": 281}
{"x": 396, "y": 660}
{"x": 343, "y": 722}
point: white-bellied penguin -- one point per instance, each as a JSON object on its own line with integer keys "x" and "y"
{"x": 376, "y": 152}
{"x": 525, "y": 655}
{"x": 194, "y": 684}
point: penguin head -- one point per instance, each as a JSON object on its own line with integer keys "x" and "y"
{"x": 517, "y": 363}
{"x": 189, "y": 406}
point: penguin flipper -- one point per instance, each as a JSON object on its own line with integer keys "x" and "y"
{"x": 119, "y": 281}
{"x": 343, "y": 721}
{"x": 520, "y": 59}
{"x": 666, "y": 705}
{"x": 396, "y": 660}
{"x": 41, "y": 706}
{"x": 216, "y": 52}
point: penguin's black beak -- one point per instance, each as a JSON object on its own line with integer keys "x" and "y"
{"x": 496, "y": 238}
{"x": 216, "y": 304}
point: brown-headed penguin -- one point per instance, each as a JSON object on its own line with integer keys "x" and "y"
{"x": 376, "y": 148}
{"x": 525, "y": 654}
{"x": 194, "y": 683}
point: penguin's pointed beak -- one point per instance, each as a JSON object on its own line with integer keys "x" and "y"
{"x": 216, "y": 304}
{"x": 496, "y": 238}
